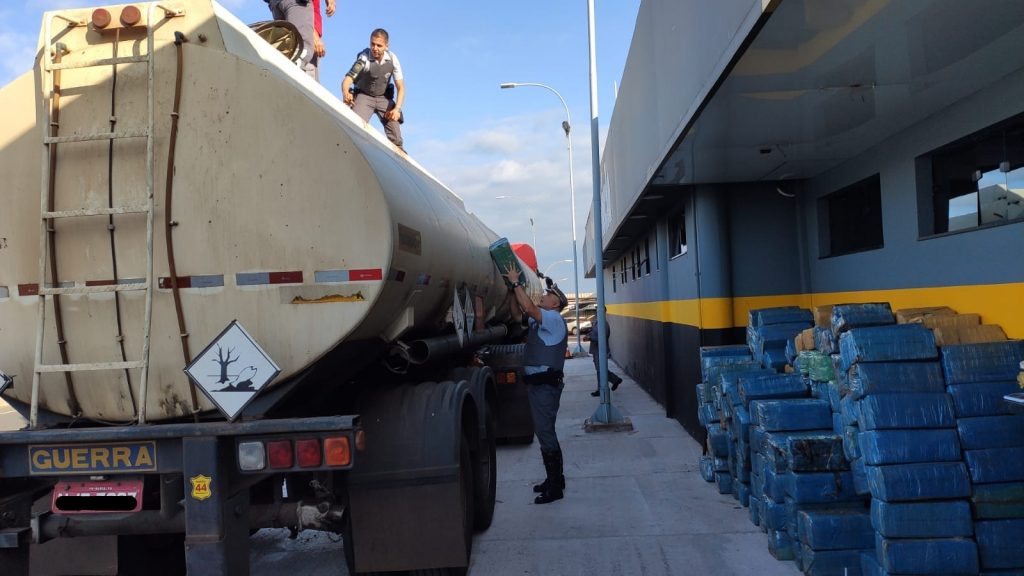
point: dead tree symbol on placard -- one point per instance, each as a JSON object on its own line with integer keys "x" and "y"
{"x": 224, "y": 361}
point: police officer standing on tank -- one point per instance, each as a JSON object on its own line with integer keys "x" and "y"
{"x": 546, "y": 342}
{"x": 374, "y": 69}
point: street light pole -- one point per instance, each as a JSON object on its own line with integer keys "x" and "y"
{"x": 567, "y": 127}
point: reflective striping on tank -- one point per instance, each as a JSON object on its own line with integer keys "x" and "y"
{"x": 112, "y": 282}
{"x": 358, "y": 275}
{"x": 423, "y": 280}
{"x": 397, "y": 275}
{"x": 33, "y": 289}
{"x": 201, "y": 281}
{"x": 258, "y": 278}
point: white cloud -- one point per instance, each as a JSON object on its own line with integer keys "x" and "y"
{"x": 503, "y": 142}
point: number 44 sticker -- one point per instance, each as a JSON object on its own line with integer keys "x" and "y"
{"x": 201, "y": 487}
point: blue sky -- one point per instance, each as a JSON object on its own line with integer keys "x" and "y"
{"x": 481, "y": 141}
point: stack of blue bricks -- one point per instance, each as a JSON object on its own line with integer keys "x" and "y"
{"x": 770, "y": 330}
{"x": 977, "y": 376}
{"x": 716, "y": 361}
{"x": 906, "y": 440}
{"x": 873, "y": 415}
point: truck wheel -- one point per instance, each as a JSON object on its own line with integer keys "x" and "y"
{"x": 486, "y": 482}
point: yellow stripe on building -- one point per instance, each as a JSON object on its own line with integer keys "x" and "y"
{"x": 1001, "y": 304}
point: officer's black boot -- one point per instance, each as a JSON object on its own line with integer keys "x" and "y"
{"x": 555, "y": 483}
{"x": 557, "y": 455}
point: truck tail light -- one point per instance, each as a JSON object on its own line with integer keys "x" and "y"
{"x": 308, "y": 451}
{"x": 337, "y": 451}
{"x": 280, "y": 452}
{"x": 252, "y": 456}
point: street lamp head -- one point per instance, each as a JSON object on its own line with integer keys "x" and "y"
{"x": 565, "y": 126}
{"x": 505, "y": 85}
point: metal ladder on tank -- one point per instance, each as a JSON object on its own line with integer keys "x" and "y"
{"x": 52, "y": 65}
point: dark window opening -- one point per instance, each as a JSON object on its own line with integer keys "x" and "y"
{"x": 677, "y": 235}
{"x": 975, "y": 182}
{"x": 851, "y": 219}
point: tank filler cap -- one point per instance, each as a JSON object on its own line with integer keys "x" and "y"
{"x": 130, "y": 16}
{"x": 100, "y": 18}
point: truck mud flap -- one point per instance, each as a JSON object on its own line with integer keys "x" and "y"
{"x": 407, "y": 495}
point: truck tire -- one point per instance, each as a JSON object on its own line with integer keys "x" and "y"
{"x": 485, "y": 457}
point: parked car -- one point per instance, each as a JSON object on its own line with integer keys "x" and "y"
{"x": 588, "y": 315}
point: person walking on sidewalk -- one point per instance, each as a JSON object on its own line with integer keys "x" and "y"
{"x": 613, "y": 378}
{"x": 543, "y": 359}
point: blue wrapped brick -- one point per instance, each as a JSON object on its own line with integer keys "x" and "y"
{"x": 707, "y": 415}
{"x": 830, "y": 562}
{"x": 882, "y": 377}
{"x": 776, "y": 515}
{"x": 886, "y": 344}
{"x": 991, "y": 432}
{"x": 995, "y": 465}
{"x": 754, "y": 510}
{"x": 707, "y": 468}
{"x": 869, "y": 565}
{"x": 815, "y": 453}
{"x": 880, "y": 447}
{"x": 724, "y": 482}
{"x": 718, "y": 441}
{"x": 796, "y": 414}
{"x": 780, "y": 545}
{"x": 998, "y": 501}
{"x": 981, "y": 398}
{"x": 988, "y": 362}
{"x": 916, "y": 482}
{"x": 779, "y": 315}
{"x": 775, "y": 386}
{"x": 1001, "y": 544}
{"x": 948, "y": 556}
{"x": 820, "y": 487}
{"x": 825, "y": 341}
{"x": 860, "y": 477}
{"x": 893, "y": 411}
{"x": 851, "y": 447}
{"x": 835, "y": 529}
{"x": 938, "y": 519}
{"x": 775, "y": 488}
{"x": 835, "y": 397}
{"x": 847, "y": 316}
{"x": 727, "y": 350}
{"x": 850, "y": 410}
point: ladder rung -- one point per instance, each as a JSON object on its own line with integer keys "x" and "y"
{"x": 94, "y": 289}
{"x": 91, "y": 366}
{"x": 137, "y": 209}
{"x": 95, "y": 63}
{"x": 97, "y": 136}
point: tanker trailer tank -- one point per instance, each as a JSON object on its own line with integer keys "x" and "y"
{"x": 367, "y": 247}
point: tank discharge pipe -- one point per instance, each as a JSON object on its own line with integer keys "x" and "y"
{"x": 426, "y": 350}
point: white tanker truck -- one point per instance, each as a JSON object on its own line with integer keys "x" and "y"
{"x": 169, "y": 173}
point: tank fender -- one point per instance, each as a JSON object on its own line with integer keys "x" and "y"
{"x": 405, "y": 501}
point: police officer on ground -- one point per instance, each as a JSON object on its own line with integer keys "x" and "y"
{"x": 374, "y": 69}
{"x": 546, "y": 343}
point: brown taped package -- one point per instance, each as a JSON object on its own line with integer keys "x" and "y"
{"x": 946, "y": 335}
{"x": 912, "y": 314}
{"x": 981, "y": 333}
{"x": 806, "y": 340}
{"x": 823, "y": 316}
{"x": 955, "y": 321}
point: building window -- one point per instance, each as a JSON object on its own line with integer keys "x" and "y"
{"x": 851, "y": 219}
{"x": 644, "y": 257}
{"x": 677, "y": 235}
{"x": 635, "y": 261}
{"x": 622, "y": 271}
{"x": 975, "y": 182}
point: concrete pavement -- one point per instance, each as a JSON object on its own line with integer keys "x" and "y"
{"x": 635, "y": 502}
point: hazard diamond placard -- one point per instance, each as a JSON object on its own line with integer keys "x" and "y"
{"x": 232, "y": 370}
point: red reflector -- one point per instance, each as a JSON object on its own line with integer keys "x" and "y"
{"x": 336, "y": 451}
{"x": 279, "y": 453}
{"x": 308, "y": 452}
